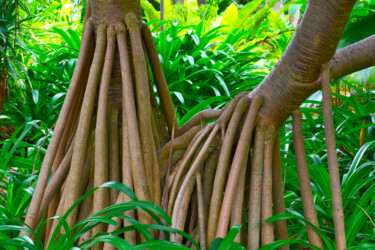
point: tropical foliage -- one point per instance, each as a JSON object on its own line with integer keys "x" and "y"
{"x": 209, "y": 53}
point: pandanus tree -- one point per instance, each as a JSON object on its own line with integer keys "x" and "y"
{"x": 206, "y": 173}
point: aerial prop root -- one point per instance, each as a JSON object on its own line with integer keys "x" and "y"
{"x": 304, "y": 180}
{"x": 101, "y": 168}
{"x": 281, "y": 232}
{"x": 223, "y": 162}
{"x": 197, "y": 154}
{"x": 333, "y": 166}
{"x": 87, "y": 111}
{"x": 82, "y": 63}
{"x": 73, "y": 190}
{"x": 216, "y": 214}
{"x": 193, "y": 142}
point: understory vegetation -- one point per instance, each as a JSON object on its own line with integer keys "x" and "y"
{"x": 209, "y": 54}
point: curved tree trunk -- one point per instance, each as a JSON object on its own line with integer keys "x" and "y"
{"x": 111, "y": 96}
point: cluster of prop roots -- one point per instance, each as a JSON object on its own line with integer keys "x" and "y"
{"x": 205, "y": 177}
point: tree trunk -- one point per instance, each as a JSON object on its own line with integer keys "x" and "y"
{"x": 147, "y": 163}
{"x": 200, "y": 2}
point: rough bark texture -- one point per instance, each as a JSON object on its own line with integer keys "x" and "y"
{"x": 353, "y": 58}
{"x": 295, "y": 76}
{"x": 114, "y": 11}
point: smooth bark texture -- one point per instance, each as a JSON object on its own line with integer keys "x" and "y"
{"x": 256, "y": 188}
{"x": 202, "y": 116}
{"x": 59, "y": 129}
{"x": 114, "y": 170}
{"x": 138, "y": 170}
{"x": 194, "y": 168}
{"x": 202, "y": 226}
{"x": 143, "y": 105}
{"x": 101, "y": 137}
{"x": 186, "y": 160}
{"x": 223, "y": 162}
{"x": 304, "y": 181}
{"x": 267, "y": 235}
{"x": 239, "y": 160}
{"x": 82, "y": 134}
{"x": 238, "y": 207}
{"x": 160, "y": 82}
{"x": 333, "y": 165}
{"x": 127, "y": 174}
{"x": 281, "y": 231}
{"x": 56, "y": 182}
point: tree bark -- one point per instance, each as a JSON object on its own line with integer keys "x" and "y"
{"x": 200, "y": 2}
{"x": 114, "y": 11}
{"x": 295, "y": 76}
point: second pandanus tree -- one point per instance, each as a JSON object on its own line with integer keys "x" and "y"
{"x": 206, "y": 173}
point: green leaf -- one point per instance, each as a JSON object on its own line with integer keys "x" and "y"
{"x": 113, "y": 240}
{"x": 357, "y": 160}
{"x": 280, "y": 243}
{"x": 216, "y": 244}
{"x": 293, "y": 216}
{"x": 157, "y": 244}
{"x": 120, "y": 187}
{"x": 35, "y": 94}
{"x": 228, "y": 241}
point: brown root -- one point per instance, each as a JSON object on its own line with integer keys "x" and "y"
{"x": 114, "y": 149}
{"x": 101, "y": 133}
{"x": 160, "y": 82}
{"x": 183, "y": 209}
{"x": 86, "y": 112}
{"x": 239, "y": 160}
{"x": 138, "y": 170}
{"x": 127, "y": 175}
{"x": 202, "y": 116}
{"x": 179, "y": 145}
{"x": 56, "y": 182}
{"x": 197, "y": 163}
{"x": 255, "y": 188}
{"x": 143, "y": 105}
{"x": 184, "y": 164}
{"x": 68, "y": 135}
{"x": 333, "y": 166}
{"x": 267, "y": 235}
{"x": 32, "y": 215}
{"x": 208, "y": 180}
{"x": 304, "y": 181}
{"x": 281, "y": 232}
{"x": 82, "y": 134}
{"x": 237, "y": 212}
{"x": 223, "y": 162}
{"x": 201, "y": 215}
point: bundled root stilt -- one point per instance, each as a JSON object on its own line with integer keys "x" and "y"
{"x": 90, "y": 104}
